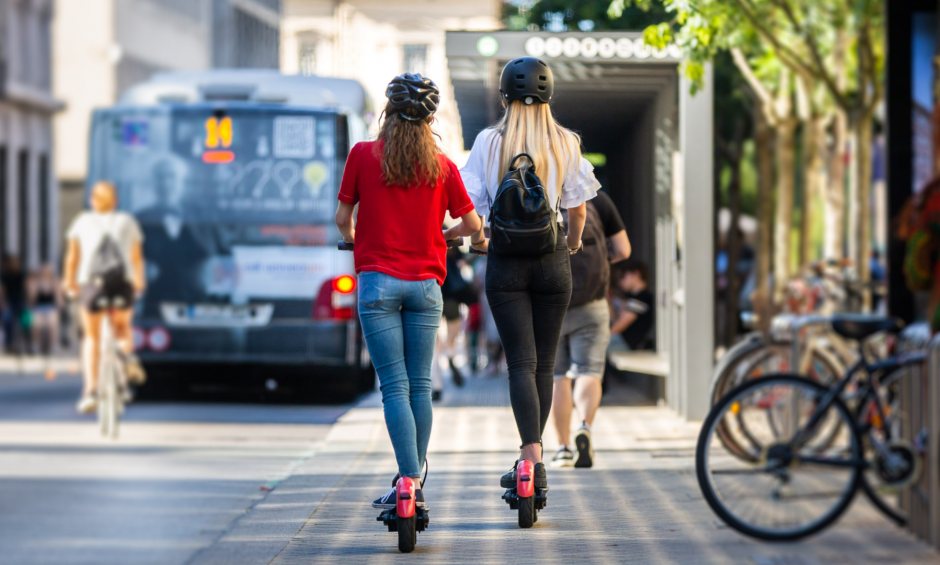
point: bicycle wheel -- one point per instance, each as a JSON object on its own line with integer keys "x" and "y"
{"x": 893, "y": 464}
{"x": 108, "y": 393}
{"x": 729, "y": 370}
{"x": 766, "y": 360}
{"x": 793, "y": 487}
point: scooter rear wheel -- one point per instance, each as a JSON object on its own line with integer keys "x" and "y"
{"x": 407, "y": 534}
{"x": 527, "y": 512}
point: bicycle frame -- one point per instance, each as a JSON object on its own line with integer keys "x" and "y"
{"x": 870, "y": 389}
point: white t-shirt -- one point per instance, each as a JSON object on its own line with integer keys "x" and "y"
{"x": 481, "y": 175}
{"x": 90, "y": 228}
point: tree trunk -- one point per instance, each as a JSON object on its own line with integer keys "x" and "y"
{"x": 763, "y": 145}
{"x": 835, "y": 193}
{"x": 864, "y": 137}
{"x": 783, "y": 218}
{"x": 734, "y": 247}
{"x": 813, "y": 178}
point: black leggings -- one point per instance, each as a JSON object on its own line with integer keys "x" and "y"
{"x": 529, "y": 297}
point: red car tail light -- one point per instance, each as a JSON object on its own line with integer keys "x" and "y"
{"x": 336, "y": 299}
{"x": 344, "y": 284}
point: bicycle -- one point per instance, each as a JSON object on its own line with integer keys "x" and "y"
{"x": 111, "y": 382}
{"x": 806, "y": 453}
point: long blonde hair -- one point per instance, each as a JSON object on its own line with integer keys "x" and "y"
{"x": 532, "y": 129}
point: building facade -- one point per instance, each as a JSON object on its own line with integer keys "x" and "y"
{"x": 28, "y": 196}
{"x": 374, "y": 40}
{"x": 103, "y": 47}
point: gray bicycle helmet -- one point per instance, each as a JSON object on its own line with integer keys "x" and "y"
{"x": 527, "y": 79}
{"x": 413, "y": 96}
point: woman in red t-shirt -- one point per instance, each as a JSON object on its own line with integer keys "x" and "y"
{"x": 403, "y": 186}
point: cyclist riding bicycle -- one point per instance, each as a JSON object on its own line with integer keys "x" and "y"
{"x": 104, "y": 269}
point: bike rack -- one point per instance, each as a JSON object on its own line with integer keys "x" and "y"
{"x": 920, "y": 422}
{"x": 798, "y": 325}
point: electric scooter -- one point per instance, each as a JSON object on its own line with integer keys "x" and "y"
{"x": 525, "y": 497}
{"x": 406, "y": 517}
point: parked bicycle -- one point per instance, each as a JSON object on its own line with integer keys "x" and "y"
{"x": 804, "y": 449}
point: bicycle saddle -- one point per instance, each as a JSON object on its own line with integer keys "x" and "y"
{"x": 860, "y": 326}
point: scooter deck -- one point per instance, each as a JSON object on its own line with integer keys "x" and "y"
{"x": 511, "y": 496}
{"x": 389, "y": 517}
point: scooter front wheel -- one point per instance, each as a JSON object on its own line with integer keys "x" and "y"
{"x": 407, "y": 534}
{"x": 527, "y": 515}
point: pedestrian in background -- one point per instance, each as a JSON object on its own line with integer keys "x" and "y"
{"x": 16, "y": 320}
{"x": 634, "y": 308}
{"x": 403, "y": 186}
{"x": 585, "y": 333}
{"x": 45, "y": 302}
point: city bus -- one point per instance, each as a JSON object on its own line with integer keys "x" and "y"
{"x": 233, "y": 177}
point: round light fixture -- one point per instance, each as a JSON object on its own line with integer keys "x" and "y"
{"x": 487, "y": 46}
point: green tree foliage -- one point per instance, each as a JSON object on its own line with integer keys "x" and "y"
{"x": 580, "y": 15}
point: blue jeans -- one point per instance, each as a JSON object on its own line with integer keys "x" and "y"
{"x": 400, "y": 321}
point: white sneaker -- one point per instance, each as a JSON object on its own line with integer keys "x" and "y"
{"x": 87, "y": 404}
{"x": 563, "y": 457}
{"x": 582, "y": 441}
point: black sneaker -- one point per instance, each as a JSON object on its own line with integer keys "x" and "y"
{"x": 509, "y": 479}
{"x": 541, "y": 479}
{"x": 582, "y": 440}
{"x": 419, "y": 497}
{"x": 563, "y": 457}
{"x": 388, "y": 500}
{"x": 435, "y": 395}
{"x": 458, "y": 376}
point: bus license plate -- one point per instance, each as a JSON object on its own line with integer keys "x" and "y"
{"x": 217, "y": 315}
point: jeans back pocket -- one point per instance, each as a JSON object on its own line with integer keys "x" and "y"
{"x": 556, "y": 268}
{"x": 501, "y": 271}
{"x": 371, "y": 288}
{"x": 432, "y": 291}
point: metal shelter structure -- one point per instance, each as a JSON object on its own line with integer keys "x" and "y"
{"x": 632, "y": 108}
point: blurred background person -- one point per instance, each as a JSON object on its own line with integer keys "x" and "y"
{"x": 585, "y": 333}
{"x": 93, "y": 235}
{"x": 45, "y": 302}
{"x": 457, "y": 291}
{"x": 633, "y": 308}
{"x": 16, "y": 318}
{"x": 490, "y": 336}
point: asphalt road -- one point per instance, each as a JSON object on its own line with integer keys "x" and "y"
{"x": 180, "y": 476}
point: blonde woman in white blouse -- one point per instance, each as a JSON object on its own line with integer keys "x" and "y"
{"x": 529, "y": 295}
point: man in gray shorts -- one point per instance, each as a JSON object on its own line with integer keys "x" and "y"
{"x": 585, "y": 333}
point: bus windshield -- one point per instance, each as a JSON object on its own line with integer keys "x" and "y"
{"x": 237, "y": 166}
{"x": 236, "y": 205}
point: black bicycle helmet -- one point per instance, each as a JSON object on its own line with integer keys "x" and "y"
{"x": 528, "y": 79}
{"x": 413, "y": 96}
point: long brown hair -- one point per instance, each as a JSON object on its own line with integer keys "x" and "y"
{"x": 410, "y": 156}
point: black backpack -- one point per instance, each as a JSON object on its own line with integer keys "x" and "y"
{"x": 522, "y": 221}
{"x": 590, "y": 269}
{"x": 107, "y": 264}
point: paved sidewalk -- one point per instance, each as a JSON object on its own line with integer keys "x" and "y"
{"x": 640, "y": 504}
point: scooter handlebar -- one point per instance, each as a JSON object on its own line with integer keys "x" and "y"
{"x": 343, "y": 246}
